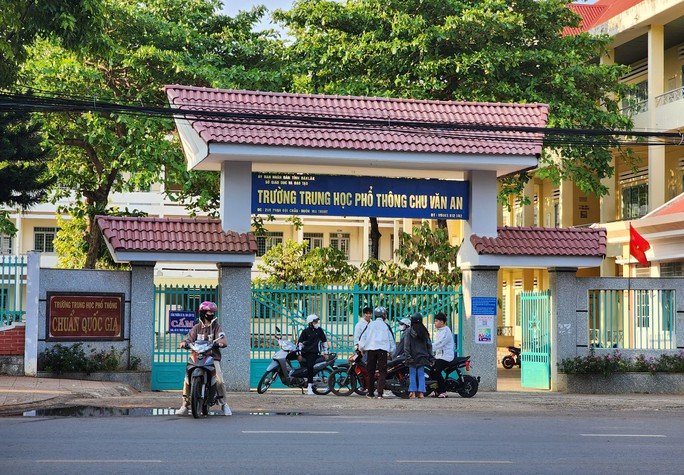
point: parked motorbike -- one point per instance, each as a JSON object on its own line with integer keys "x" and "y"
{"x": 463, "y": 384}
{"x": 281, "y": 367}
{"x": 202, "y": 376}
{"x": 512, "y": 358}
{"x": 349, "y": 377}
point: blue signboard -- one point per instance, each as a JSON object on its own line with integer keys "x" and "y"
{"x": 181, "y": 321}
{"x": 484, "y": 306}
{"x": 340, "y": 195}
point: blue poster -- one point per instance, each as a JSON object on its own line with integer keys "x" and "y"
{"x": 181, "y": 321}
{"x": 342, "y": 195}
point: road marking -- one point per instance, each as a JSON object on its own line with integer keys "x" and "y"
{"x": 622, "y": 435}
{"x": 98, "y": 461}
{"x": 288, "y": 432}
{"x": 38, "y": 391}
{"x": 473, "y": 462}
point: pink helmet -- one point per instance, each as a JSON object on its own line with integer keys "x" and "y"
{"x": 208, "y": 307}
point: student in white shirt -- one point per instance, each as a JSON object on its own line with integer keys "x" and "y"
{"x": 443, "y": 347}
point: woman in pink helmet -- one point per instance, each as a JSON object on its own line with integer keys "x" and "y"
{"x": 207, "y": 329}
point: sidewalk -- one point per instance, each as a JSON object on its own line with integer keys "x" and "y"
{"x": 18, "y": 393}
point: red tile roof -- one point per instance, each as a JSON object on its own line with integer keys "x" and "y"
{"x": 286, "y": 120}
{"x": 181, "y": 235}
{"x": 575, "y": 242}
{"x": 675, "y": 205}
{"x": 599, "y": 12}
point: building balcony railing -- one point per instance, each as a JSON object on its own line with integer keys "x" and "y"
{"x": 669, "y": 97}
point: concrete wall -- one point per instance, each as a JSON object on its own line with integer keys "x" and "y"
{"x": 570, "y": 313}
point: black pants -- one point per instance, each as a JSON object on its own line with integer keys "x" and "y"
{"x": 377, "y": 359}
{"x": 310, "y": 362}
{"x": 437, "y": 374}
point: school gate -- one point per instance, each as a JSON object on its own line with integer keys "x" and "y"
{"x": 286, "y": 306}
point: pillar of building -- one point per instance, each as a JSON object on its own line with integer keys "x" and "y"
{"x": 563, "y": 318}
{"x": 483, "y": 191}
{"x": 235, "y": 296}
{"x": 236, "y": 196}
{"x": 479, "y": 281}
{"x": 32, "y": 313}
{"x": 567, "y": 204}
{"x": 142, "y": 314}
{"x": 657, "y": 188}
{"x": 528, "y": 210}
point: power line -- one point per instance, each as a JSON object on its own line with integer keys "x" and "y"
{"x": 552, "y": 136}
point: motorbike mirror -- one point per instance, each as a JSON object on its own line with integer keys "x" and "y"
{"x": 277, "y": 329}
{"x": 221, "y": 335}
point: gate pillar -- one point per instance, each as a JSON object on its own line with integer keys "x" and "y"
{"x": 141, "y": 323}
{"x": 564, "y": 325}
{"x": 479, "y": 281}
{"x": 235, "y": 297}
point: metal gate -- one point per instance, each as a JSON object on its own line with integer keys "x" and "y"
{"x": 168, "y": 362}
{"x": 535, "y": 353}
{"x": 339, "y": 308}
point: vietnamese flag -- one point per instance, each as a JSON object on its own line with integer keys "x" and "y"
{"x": 638, "y": 246}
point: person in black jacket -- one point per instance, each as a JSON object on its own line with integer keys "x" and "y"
{"x": 418, "y": 352}
{"x": 311, "y": 342}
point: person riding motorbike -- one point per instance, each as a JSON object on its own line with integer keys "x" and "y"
{"x": 311, "y": 341}
{"x": 207, "y": 329}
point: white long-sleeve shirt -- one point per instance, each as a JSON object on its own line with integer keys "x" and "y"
{"x": 377, "y": 336}
{"x": 358, "y": 329}
{"x": 443, "y": 345}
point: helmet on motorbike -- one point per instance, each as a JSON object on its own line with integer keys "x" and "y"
{"x": 312, "y": 318}
{"x": 207, "y": 311}
{"x": 405, "y": 321}
{"x": 380, "y": 312}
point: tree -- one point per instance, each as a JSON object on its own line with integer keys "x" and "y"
{"x": 23, "y": 171}
{"x": 144, "y": 46}
{"x": 293, "y": 263}
{"x": 468, "y": 50}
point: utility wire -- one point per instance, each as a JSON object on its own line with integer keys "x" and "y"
{"x": 31, "y": 103}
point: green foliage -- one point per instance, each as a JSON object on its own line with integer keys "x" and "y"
{"x": 468, "y": 50}
{"x": 144, "y": 46}
{"x": 615, "y": 362}
{"x": 74, "y": 359}
{"x": 291, "y": 263}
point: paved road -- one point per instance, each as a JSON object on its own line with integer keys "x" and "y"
{"x": 380, "y": 442}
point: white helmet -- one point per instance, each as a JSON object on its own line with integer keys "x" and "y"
{"x": 405, "y": 321}
{"x": 312, "y": 318}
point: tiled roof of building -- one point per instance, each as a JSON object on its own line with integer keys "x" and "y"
{"x": 675, "y": 205}
{"x": 519, "y": 241}
{"x": 182, "y": 235}
{"x": 598, "y": 12}
{"x": 288, "y": 120}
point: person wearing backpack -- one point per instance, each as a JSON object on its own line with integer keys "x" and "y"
{"x": 377, "y": 341}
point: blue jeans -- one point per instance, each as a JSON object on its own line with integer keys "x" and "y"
{"x": 416, "y": 379}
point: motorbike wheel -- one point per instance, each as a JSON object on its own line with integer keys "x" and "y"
{"x": 266, "y": 380}
{"x": 341, "y": 382}
{"x": 196, "y": 400}
{"x": 469, "y": 388}
{"x": 322, "y": 387}
{"x": 508, "y": 362}
{"x": 360, "y": 385}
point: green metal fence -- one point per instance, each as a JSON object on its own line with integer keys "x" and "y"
{"x": 632, "y": 319}
{"x": 339, "y": 308}
{"x": 168, "y": 362}
{"x": 12, "y": 288}
{"x": 535, "y": 324}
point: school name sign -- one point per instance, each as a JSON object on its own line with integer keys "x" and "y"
{"x": 341, "y": 195}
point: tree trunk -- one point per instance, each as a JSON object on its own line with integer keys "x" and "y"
{"x": 93, "y": 238}
{"x": 375, "y": 238}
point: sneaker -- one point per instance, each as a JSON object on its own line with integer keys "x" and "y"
{"x": 310, "y": 392}
{"x": 183, "y": 411}
{"x": 370, "y": 396}
{"x": 380, "y": 396}
{"x": 226, "y": 410}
